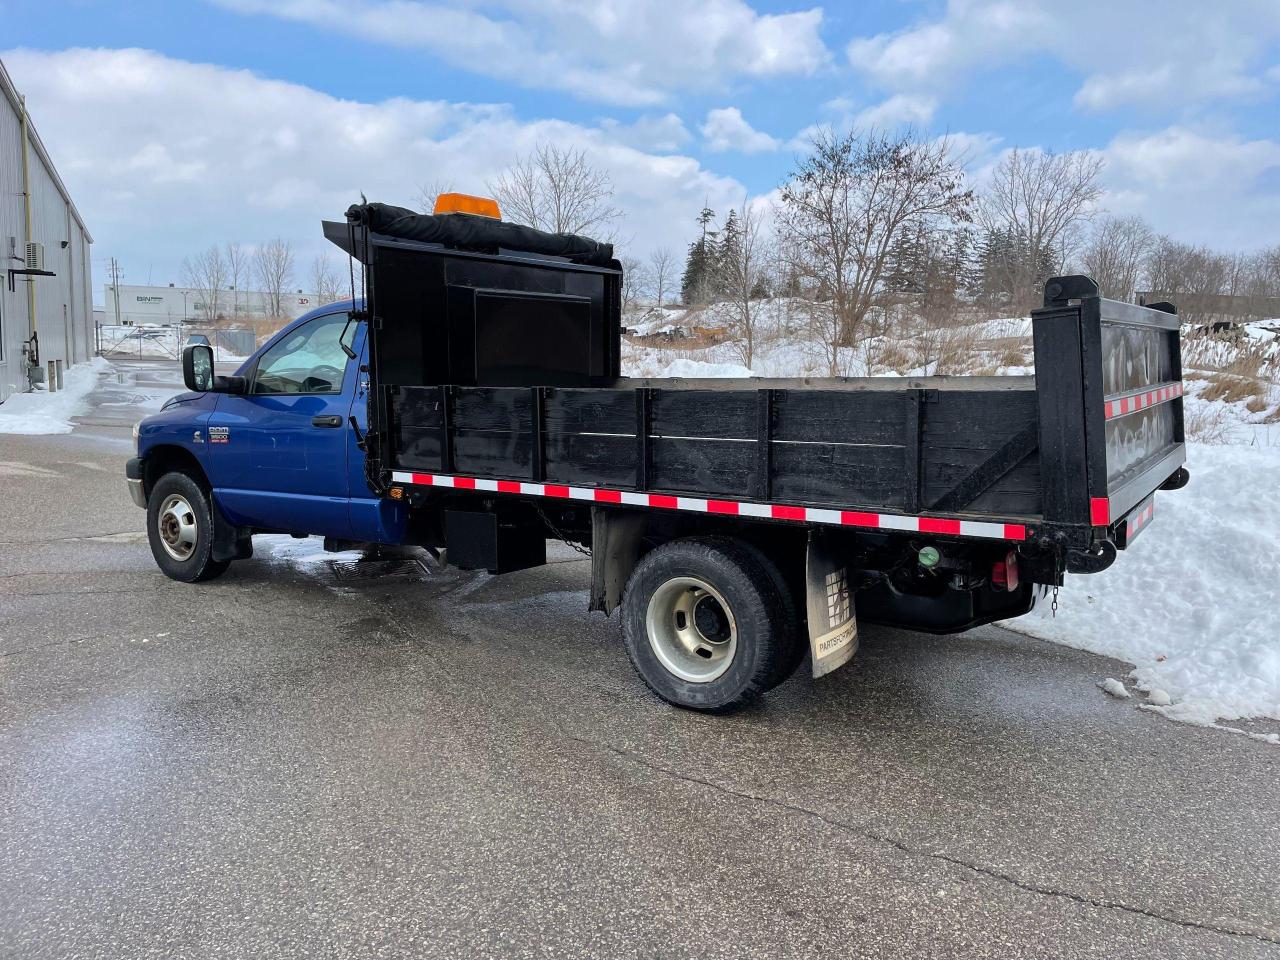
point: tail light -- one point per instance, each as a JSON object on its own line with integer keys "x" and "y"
{"x": 1004, "y": 573}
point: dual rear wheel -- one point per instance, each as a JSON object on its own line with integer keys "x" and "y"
{"x": 710, "y": 624}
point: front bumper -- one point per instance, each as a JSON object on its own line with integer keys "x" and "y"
{"x": 133, "y": 477}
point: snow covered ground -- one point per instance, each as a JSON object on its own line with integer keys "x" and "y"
{"x": 41, "y": 412}
{"x": 1193, "y": 603}
{"x": 786, "y": 344}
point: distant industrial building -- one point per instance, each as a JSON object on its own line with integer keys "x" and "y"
{"x": 46, "y": 301}
{"x": 134, "y": 305}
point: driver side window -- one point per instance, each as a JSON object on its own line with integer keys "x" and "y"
{"x": 309, "y": 360}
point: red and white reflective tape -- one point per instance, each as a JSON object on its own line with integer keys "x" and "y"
{"x": 1133, "y": 402}
{"x": 766, "y": 511}
{"x": 1140, "y": 519}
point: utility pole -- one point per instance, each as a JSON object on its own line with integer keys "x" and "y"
{"x": 115, "y": 288}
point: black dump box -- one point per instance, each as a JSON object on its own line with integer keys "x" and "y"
{"x": 497, "y": 369}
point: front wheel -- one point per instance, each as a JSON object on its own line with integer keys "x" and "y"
{"x": 180, "y": 529}
{"x": 705, "y": 624}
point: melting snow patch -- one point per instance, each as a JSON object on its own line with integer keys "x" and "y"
{"x": 1114, "y": 687}
{"x": 302, "y": 553}
{"x": 1192, "y": 604}
{"x": 42, "y": 412}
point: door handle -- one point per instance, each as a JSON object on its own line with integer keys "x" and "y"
{"x": 326, "y": 420}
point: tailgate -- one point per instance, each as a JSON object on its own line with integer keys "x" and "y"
{"x": 1142, "y": 417}
{"x": 1109, "y": 378}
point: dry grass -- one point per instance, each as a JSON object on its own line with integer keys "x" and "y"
{"x": 1015, "y": 357}
{"x": 952, "y": 350}
{"x": 1234, "y": 389}
{"x": 1209, "y": 423}
{"x": 1237, "y": 372}
{"x": 891, "y": 355}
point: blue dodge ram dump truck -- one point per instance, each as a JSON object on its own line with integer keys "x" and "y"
{"x": 471, "y": 401}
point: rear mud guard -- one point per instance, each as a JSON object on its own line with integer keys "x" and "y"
{"x": 833, "y": 629}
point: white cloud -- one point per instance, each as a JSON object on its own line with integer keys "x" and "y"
{"x": 664, "y": 134}
{"x": 636, "y": 53}
{"x": 725, "y": 129}
{"x": 165, "y": 156}
{"x": 902, "y": 109}
{"x": 1222, "y": 191}
{"x": 842, "y": 113}
{"x": 1163, "y": 53}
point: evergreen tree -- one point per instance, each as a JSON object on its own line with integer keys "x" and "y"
{"x": 695, "y": 270}
{"x": 727, "y": 251}
{"x": 698, "y": 282}
{"x": 1005, "y": 256}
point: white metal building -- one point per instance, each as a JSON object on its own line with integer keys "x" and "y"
{"x": 171, "y": 305}
{"x": 39, "y": 227}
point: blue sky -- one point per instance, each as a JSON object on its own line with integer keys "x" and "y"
{"x": 177, "y": 125}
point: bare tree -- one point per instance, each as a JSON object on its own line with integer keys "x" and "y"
{"x": 1209, "y": 286}
{"x": 1037, "y": 202}
{"x": 557, "y": 190}
{"x": 326, "y": 283}
{"x": 428, "y": 193}
{"x": 742, "y": 272}
{"x": 1115, "y": 254}
{"x": 662, "y": 272}
{"x": 238, "y": 270}
{"x": 273, "y": 263}
{"x": 206, "y": 273}
{"x": 633, "y": 282}
{"x": 845, "y": 206}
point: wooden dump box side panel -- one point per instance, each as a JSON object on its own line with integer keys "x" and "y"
{"x": 907, "y": 450}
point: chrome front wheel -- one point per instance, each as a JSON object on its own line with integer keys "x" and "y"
{"x": 176, "y": 524}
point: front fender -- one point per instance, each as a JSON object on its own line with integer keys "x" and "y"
{"x": 182, "y": 425}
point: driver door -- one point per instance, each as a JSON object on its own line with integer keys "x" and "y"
{"x": 278, "y": 455}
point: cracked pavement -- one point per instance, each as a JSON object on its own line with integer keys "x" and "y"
{"x": 346, "y": 759}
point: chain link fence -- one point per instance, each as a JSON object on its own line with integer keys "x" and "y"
{"x": 166, "y": 343}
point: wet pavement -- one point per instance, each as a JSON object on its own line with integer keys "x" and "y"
{"x": 329, "y": 756}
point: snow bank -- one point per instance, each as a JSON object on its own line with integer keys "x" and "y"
{"x": 704, "y": 368}
{"x": 1193, "y": 603}
{"x": 42, "y": 412}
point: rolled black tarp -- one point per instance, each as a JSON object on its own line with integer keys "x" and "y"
{"x": 469, "y": 232}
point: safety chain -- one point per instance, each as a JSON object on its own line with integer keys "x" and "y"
{"x": 560, "y": 536}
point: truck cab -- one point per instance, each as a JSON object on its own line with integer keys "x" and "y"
{"x": 276, "y": 447}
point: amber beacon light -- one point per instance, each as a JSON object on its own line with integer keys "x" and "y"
{"x": 465, "y": 203}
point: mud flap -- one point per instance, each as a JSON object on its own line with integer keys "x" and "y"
{"x": 833, "y": 630}
{"x": 229, "y": 541}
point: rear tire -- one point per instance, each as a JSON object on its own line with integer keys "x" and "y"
{"x": 180, "y": 529}
{"x": 707, "y": 625}
{"x": 794, "y": 642}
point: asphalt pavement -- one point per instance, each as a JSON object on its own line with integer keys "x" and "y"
{"x": 375, "y": 757}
